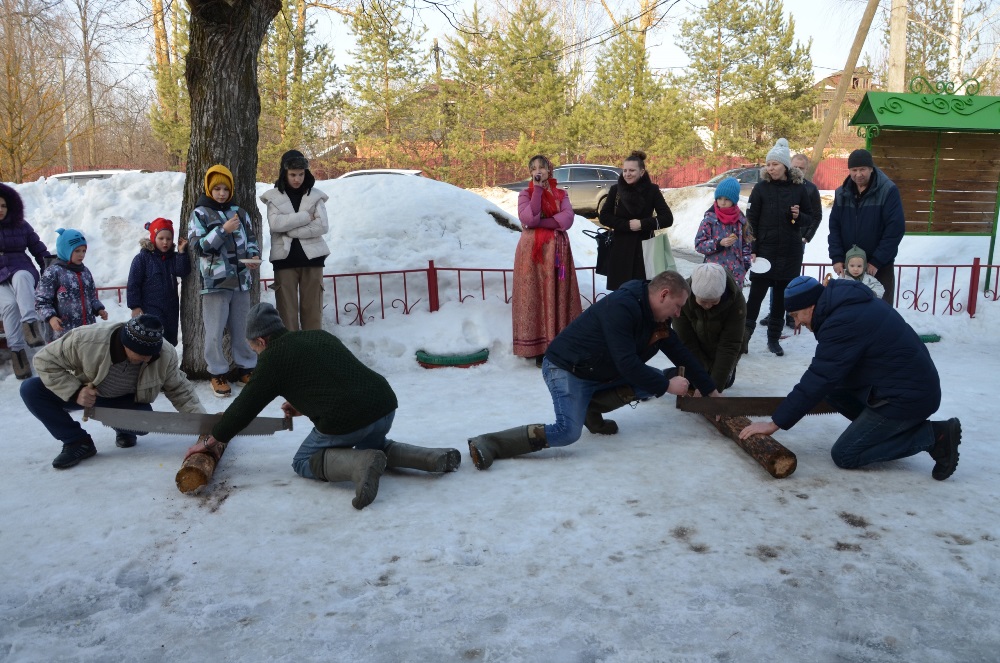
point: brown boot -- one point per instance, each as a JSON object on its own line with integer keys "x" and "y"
{"x": 606, "y": 401}
{"x": 362, "y": 466}
{"x": 19, "y": 361}
{"x": 485, "y": 448}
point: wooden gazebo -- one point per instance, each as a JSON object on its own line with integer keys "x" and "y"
{"x": 943, "y": 152}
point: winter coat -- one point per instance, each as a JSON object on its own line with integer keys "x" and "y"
{"x": 866, "y": 278}
{"x": 626, "y": 202}
{"x": 735, "y": 258}
{"x": 777, "y": 236}
{"x": 18, "y": 237}
{"x": 308, "y": 225}
{"x": 816, "y": 210}
{"x": 152, "y": 284}
{"x": 615, "y": 337}
{"x": 219, "y": 253}
{"x": 320, "y": 377}
{"x": 714, "y": 336}
{"x": 84, "y": 357}
{"x": 874, "y": 220}
{"x": 863, "y": 342}
{"x": 69, "y": 293}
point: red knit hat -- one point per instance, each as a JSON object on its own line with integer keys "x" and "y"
{"x": 156, "y": 225}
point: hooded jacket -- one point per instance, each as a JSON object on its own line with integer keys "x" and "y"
{"x": 714, "y": 336}
{"x": 152, "y": 284}
{"x": 777, "y": 236}
{"x": 219, "y": 253}
{"x": 67, "y": 292}
{"x": 874, "y": 220}
{"x": 863, "y": 342}
{"x": 615, "y": 337}
{"x": 866, "y": 278}
{"x": 17, "y": 238}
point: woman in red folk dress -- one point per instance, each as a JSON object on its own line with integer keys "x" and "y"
{"x": 546, "y": 296}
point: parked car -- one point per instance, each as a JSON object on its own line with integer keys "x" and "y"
{"x": 383, "y": 171}
{"x": 84, "y": 176}
{"x": 587, "y": 185}
{"x": 747, "y": 176}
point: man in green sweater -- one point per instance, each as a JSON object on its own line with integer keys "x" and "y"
{"x": 350, "y": 405}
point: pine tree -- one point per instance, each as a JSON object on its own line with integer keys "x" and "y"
{"x": 388, "y": 71}
{"x": 774, "y": 95}
{"x": 170, "y": 114}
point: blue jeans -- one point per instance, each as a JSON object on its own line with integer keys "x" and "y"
{"x": 53, "y": 411}
{"x": 570, "y": 397}
{"x": 872, "y": 438}
{"x": 371, "y": 436}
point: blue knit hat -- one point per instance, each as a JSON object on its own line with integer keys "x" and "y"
{"x": 729, "y": 188}
{"x": 68, "y": 241}
{"x": 802, "y": 292}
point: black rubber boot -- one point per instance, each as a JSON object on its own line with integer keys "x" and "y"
{"x": 422, "y": 458}
{"x": 747, "y": 334}
{"x": 486, "y": 448}
{"x": 775, "y": 347}
{"x": 362, "y": 466}
{"x": 764, "y": 321}
{"x": 947, "y": 437}
{"x": 74, "y": 453}
{"x": 606, "y": 401}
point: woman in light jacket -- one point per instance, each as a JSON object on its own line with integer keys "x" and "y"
{"x": 296, "y": 218}
{"x": 546, "y": 295}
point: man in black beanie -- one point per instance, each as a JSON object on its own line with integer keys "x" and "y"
{"x": 120, "y": 365}
{"x": 867, "y": 211}
{"x": 350, "y": 406}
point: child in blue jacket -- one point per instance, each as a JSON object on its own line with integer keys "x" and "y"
{"x": 66, "y": 296}
{"x": 152, "y": 279}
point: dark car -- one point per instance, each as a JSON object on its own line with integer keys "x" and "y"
{"x": 587, "y": 185}
{"x": 747, "y": 176}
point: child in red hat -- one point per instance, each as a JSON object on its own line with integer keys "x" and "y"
{"x": 152, "y": 279}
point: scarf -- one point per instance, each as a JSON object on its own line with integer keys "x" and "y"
{"x": 551, "y": 203}
{"x": 727, "y": 216}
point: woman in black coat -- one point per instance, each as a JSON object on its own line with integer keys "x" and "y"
{"x": 634, "y": 209}
{"x": 779, "y": 213}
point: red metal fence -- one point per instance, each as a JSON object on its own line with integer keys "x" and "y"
{"x": 363, "y": 297}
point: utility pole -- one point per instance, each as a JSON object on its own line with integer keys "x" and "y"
{"x": 896, "y": 79}
{"x": 845, "y": 83}
{"x": 437, "y": 58}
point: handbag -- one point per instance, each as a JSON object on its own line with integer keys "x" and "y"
{"x": 604, "y": 237}
{"x": 657, "y": 256}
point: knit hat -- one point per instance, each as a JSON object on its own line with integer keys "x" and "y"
{"x": 262, "y": 321}
{"x": 68, "y": 241}
{"x": 143, "y": 335}
{"x": 729, "y": 188}
{"x": 802, "y": 292}
{"x": 781, "y": 153}
{"x": 219, "y": 174}
{"x": 708, "y": 281}
{"x": 156, "y": 225}
{"x": 856, "y": 252}
{"x": 860, "y": 159}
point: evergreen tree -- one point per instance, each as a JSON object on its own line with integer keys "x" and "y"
{"x": 170, "y": 114}
{"x": 773, "y": 97}
{"x": 388, "y": 71}
{"x": 297, "y": 90}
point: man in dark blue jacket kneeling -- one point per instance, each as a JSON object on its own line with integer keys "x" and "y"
{"x": 598, "y": 364}
{"x": 873, "y": 368}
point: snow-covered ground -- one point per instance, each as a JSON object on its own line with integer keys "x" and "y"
{"x": 663, "y": 543}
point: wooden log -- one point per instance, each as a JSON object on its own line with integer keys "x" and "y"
{"x": 772, "y": 456}
{"x": 197, "y": 469}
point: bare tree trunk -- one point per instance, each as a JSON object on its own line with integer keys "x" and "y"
{"x": 896, "y": 80}
{"x": 845, "y": 84}
{"x": 221, "y": 73}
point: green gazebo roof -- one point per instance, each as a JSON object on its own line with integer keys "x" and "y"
{"x": 899, "y": 110}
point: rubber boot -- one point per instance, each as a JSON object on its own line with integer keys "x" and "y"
{"x": 774, "y": 326}
{"x": 422, "y": 458}
{"x": 362, "y": 466}
{"x": 19, "y": 361}
{"x": 606, "y": 401}
{"x": 747, "y": 333}
{"x": 486, "y": 448}
{"x": 947, "y": 437}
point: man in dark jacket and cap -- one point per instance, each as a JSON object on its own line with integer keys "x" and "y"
{"x": 873, "y": 368}
{"x": 867, "y": 211}
{"x": 598, "y": 364}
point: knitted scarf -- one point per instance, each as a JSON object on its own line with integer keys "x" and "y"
{"x": 551, "y": 204}
{"x": 727, "y": 216}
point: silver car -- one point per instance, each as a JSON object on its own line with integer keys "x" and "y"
{"x": 587, "y": 185}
